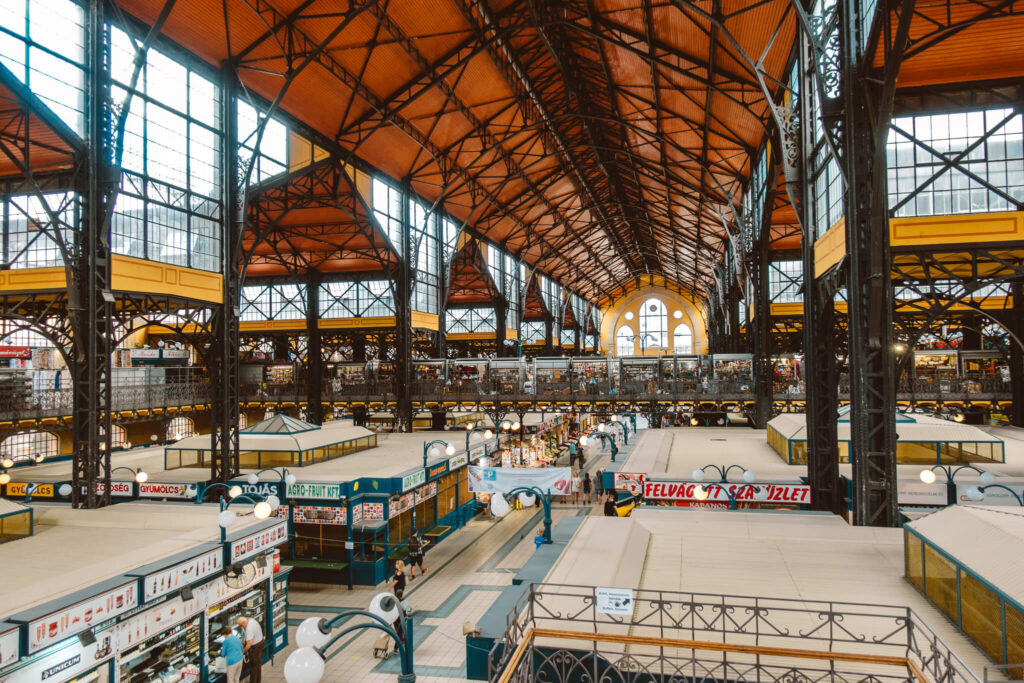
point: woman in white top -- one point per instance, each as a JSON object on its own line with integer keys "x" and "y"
{"x": 575, "y": 488}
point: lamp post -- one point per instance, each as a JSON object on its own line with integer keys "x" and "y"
{"x": 928, "y": 477}
{"x": 601, "y": 435}
{"x": 488, "y": 434}
{"x": 283, "y": 476}
{"x": 605, "y": 426}
{"x": 500, "y": 507}
{"x": 760, "y": 492}
{"x": 448, "y": 449}
{"x": 748, "y": 475}
{"x": 233, "y": 490}
{"x": 262, "y": 509}
{"x": 646, "y": 335}
{"x": 977, "y": 493}
{"x": 315, "y": 636}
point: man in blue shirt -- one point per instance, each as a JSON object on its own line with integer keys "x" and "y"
{"x": 231, "y": 651}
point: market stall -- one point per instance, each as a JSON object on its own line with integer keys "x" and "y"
{"x": 507, "y": 376}
{"x": 552, "y": 376}
{"x": 732, "y": 372}
{"x": 639, "y": 375}
{"x": 347, "y": 379}
{"x": 591, "y": 376}
{"x": 467, "y": 376}
{"x": 428, "y": 376}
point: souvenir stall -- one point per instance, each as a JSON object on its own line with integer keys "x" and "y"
{"x": 467, "y": 376}
{"x": 933, "y": 366}
{"x": 682, "y": 373}
{"x": 984, "y": 371}
{"x": 638, "y": 375}
{"x": 591, "y": 376}
{"x": 507, "y": 376}
{"x": 428, "y": 376}
{"x": 732, "y": 372}
{"x": 347, "y": 379}
{"x": 787, "y": 373}
{"x": 551, "y": 376}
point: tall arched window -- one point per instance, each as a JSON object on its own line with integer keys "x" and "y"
{"x": 624, "y": 341}
{"x": 29, "y": 446}
{"x": 654, "y": 321}
{"x": 180, "y": 428}
{"x": 682, "y": 339}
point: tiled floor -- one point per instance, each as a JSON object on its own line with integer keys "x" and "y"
{"x": 465, "y": 574}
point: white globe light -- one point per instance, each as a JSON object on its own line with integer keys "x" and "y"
{"x": 273, "y": 501}
{"x": 7, "y": 463}
{"x": 235, "y": 491}
{"x": 384, "y": 606}
{"x": 469, "y": 426}
{"x": 700, "y": 493}
{"x": 141, "y": 477}
{"x": 698, "y": 475}
{"x": 304, "y": 665}
{"x": 527, "y": 499}
{"x": 178, "y": 436}
{"x": 694, "y": 421}
{"x": 434, "y": 452}
{"x": 252, "y": 479}
{"x": 450, "y": 450}
{"x": 987, "y": 478}
{"x": 583, "y": 441}
{"x": 499, "y": 506}
{"x": 64, "y": 490}
{"x": 5, "y": 478}
{"x": 310, "y": 634}
{"x": 975, "y": 494}
{"x": 126, "y": 444}
{"x": 488, "y": 434}
{"x": 927, "y": 476}
{"x": 761, "y": 493}
{"x": 515, "y": 426}
{"x": 474, "y": 437}
{"x": 153, "y": 437}
{"x": 506, "y": 425}
{"x": 289, "y": 479}
{"x": 226, "y": 518}
{"x": 261, "y": 510}
{"x": 749, "y": 476}
{"x": 615, "y": 418}
{"x": 600, "y": 427}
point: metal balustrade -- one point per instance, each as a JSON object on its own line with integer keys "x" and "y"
{"x": 559, "y": 633}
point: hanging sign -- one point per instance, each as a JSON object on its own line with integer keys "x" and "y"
{"x": 66, "y": 663}
{"x": 991, "y": 496}
{"x": 617, "y": 601}
{"x": 633, "y": 483}
{"x": 315, "y": 514}
{"x": 435, "y": 471}
{"x": 555, "y": 480}
{"x": 153, "y": 489}
{"x": 457, "y": 461}
{"x": 411, "y": 481}
{"x": 188, "y": 572}
{"x": 316, "y": 491}
{"x": 22, "y": 352}
{"x": 55, "y": 627}
{"x": 18, "y": 488}
{"x": 426, "y": 492}
{"x": 262, "y": 488}
{"x": 118, "y": 489}
{"x": 256, "y": 543}
{"x": 919, "y": 493}
{"x": 793, "y": 494}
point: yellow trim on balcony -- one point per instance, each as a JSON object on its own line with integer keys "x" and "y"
{"x": 355, "y": 323}
{"x": 128, "y": 274}
{"x": 424, "y": 321}
{"x": 830, "y": 248}
{"x": 33, "y": 280}
{"x": 1001, "y": 226}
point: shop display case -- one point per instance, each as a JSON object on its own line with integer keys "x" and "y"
{"x": 507, "y": 376}
{"x": 251, "y": 605}
{"x": 682, "y": 373}
{"x": 173, "y": 654}
{"x": 638, "y": 375}
{"x": 732, "y": 372}
{"x": 279, "y": 611}
{"x": 380, "y": 377}
{"x": 552, "y": 375}
{"x": 786, "y": 373}
{"x": 278, "y": 374}
{"x": 591, "y": 375}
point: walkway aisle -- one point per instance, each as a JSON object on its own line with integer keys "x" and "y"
{"x": 465, "y": 574}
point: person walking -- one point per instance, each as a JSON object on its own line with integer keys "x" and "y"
{"x": 598, "y": 485}
{"x": 398, "y": 580}
{"x": 575, "y": 488}
{"x": 253, "y": 647}
{"x": 415, "y": 555}
{"x": 609, "y": 506}
{"x": 231, "y": 651}
{"x": 587, "y": 485}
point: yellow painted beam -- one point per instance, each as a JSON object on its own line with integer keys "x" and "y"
{"x": 129, "y": 274}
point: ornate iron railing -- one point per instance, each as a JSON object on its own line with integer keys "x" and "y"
{"x": 559, "y": 633}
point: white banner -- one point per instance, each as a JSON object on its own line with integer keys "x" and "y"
{"x": 556, "y": 480}
{"x": 991, "y": 496}
{"x": 794, "y": 494}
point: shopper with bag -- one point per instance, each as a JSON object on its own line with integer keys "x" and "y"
{"x": 415, "y": 555}
{"x": 231, "y": 651}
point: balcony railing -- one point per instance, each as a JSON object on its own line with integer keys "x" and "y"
{"x": 562, "y": 633}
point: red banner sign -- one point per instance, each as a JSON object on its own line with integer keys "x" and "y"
{"x": 793, "y": 494}
{"x": 15, "y": 352}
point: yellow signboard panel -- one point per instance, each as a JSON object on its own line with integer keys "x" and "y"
{"x": 129, "y": 274}
{"x": 32, "y": 280}
{"x": 1003, "y": 226}
{"x": 830, "y": 248}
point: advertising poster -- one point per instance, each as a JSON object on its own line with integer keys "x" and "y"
{"x": 556, "y": 480}
{"x": 792, "y": 494}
